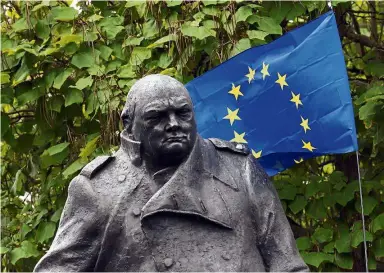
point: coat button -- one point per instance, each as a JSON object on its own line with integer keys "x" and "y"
{"x": 121, "y": 178}
{"x": 136, "y": 211}
{"x": 168, "y": 262}
{"x": 225, "y": 256}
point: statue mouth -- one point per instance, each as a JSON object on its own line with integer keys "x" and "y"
{"x": 176, "y": 139}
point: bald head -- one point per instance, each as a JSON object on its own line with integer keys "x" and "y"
{"x": 159, "y": 114}
{"x": 149, "y": 89}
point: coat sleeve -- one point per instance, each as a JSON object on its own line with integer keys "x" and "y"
{"x": 275, "y": 238}
{"x": 77, "y": 241}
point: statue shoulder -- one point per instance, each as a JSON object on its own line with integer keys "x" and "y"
{"x": 96, "y": 165}
{"x": 230, "y": 146}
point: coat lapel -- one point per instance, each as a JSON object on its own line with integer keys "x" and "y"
{"x": 195, "y": 188}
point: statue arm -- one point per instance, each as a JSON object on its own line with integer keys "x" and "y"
{"x": 276, "y": 241}
{"x": 76, "y": 244}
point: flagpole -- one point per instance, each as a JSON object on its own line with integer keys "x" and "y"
{"x": 362, "y": 213}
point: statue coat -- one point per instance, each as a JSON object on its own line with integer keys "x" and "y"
{"x": 217, "y": 212}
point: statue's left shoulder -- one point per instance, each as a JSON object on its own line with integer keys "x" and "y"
{"x": 230, "y": 146}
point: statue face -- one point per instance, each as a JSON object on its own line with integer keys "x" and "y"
{"x": 164, "y": 123}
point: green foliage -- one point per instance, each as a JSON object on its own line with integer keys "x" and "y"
{"x": 65, "y": 76}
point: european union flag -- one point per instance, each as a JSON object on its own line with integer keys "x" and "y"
{"x": 288, "y": 100}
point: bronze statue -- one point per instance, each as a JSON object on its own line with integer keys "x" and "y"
{"x": 169, "y": 200}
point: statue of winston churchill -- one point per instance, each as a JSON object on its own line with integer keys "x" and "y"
{"x": 170, "y": 200}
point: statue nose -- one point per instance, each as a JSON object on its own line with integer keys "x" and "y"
{"x": 172, "y": 123}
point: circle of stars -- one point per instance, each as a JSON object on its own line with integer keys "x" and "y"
{"x": 233, "y": 115}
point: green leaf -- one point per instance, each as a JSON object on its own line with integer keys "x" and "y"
{"x": 344, "y": 196}
{"x": 357, "y": 237}
{"x": 73, "y": 168}
{"x": 288, "y": 192}
{"x": 66, "y": 39}
{"x": 4, "y": 78}
{"x": 89, "y": 148}
{"x": 84, "y": 83}
{"x": 113, "y": 65}
{"x": 105, "y": 52}
{"x": 344, "y": 261}
{"x": 27, "y": 249}
{"x": 3, "y": 250}
{"x": 213, "y": 11}
{"x": 45, "y": 231}
{"x": 368, "y": 110}
{"x": 56, "y": 216}
{"x": 139, "y": 55}
{"x": 20, "y": 25}
{"x": 165, "y": 39}
{"x": 378, "y": 223}
{"x": 5, "y": 123}
{"x": 343, "y": 243}
{"x": 88, "y": 57}
{"x": 64, "y": 14}
{"x": 61, "y": 78}
{"x": 150, "y": 29}
{"x": 241, "y": 46}
{"x": 256, "y": 34}
{"x": 323, "y": 235}
{"x": 132, "y": 41}
{"x": 25, "y": 229}
{"x": 329, "y": 248}
{"x": 197, "y": 32}
{"x": 55, "y": 103}
{"x": 57, "y": 148}
{"x": 94, "y": 18}
{"x": 369, "y": 204}
{"x": 316, "y": 258}
{"x": 299, "y": 204}
{"x": 73, "y": 96}
{"x": 375, "y": 68}
{"x": 20, "y": 179}
{"x": 268, "y": 25}
{"x": 22, "y": 72}
{"x": 126, "y": 71}
{"x": 378, "y": 247}
{"x": 30, "y": 95}
{"x": 303, "y": 243}
{"x": 42, "y": 29}
{"x": 242, "y": 13}
{"x": 316, "y": 210}
{"x": 173, "y": 3}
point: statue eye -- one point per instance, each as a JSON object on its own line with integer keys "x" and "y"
{"x": 185, "y": 112}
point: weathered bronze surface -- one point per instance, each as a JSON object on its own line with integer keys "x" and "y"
{"x": 169, "y": 200}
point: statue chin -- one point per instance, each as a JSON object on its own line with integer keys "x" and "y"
{"x": 174, "y": 152}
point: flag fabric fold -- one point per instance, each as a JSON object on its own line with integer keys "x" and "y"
{"x": 288, "y": 100}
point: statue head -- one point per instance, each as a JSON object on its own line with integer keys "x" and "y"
{"x": 159, "y": 114}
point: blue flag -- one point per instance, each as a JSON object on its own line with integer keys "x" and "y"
{"x": 288, "y": 100}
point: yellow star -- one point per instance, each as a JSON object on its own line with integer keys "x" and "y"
{"x": 232, "y": 115}
{"x": 281, "y": 80}
{"x": 308, "y": 146}
{"x": 251, "y": 74}
{"x": 304, "y": 124}
{"x": 235, "y": 91}
{"x": 256, "y": 154}
{"x": 239, "y": 138}
{"x": 296, "y": 100}
{"x": 298, "y": 161}
{"x": 264, "y": 71}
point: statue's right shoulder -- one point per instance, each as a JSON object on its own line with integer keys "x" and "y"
{"x": 96, "y": 165}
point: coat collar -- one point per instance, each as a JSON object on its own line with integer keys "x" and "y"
{"x": 194, "y": 187}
